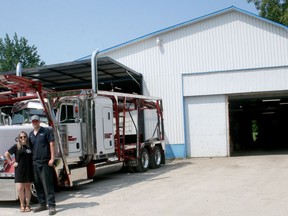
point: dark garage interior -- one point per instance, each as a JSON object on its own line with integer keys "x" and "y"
{"x": 258, "y": 125}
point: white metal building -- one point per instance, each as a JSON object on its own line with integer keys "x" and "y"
{"x": 214, "y": 73}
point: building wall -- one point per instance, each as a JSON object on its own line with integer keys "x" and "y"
{"x": 229, "y": 41}
{"x": 236, "y": 81}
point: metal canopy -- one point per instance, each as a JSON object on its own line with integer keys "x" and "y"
{"x": 112, "y": 76}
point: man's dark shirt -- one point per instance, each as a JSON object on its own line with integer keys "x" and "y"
{"x": 41, "y": 145}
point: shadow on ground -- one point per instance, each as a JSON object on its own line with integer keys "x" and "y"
{"x": 119, "y": 180}
{"x": 106, "y": 184}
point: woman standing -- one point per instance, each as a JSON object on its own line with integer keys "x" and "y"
{"x": 23, "y": 169}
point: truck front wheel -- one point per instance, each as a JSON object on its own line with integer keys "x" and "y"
{"x": 143, "y": 161}
{"x": 33, "y": 194}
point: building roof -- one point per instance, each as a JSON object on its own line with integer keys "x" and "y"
{"x": 189, "y": 22}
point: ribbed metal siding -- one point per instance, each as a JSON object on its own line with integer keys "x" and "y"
{"x": 227, "y": 42}
{"x": 231, "y": 82}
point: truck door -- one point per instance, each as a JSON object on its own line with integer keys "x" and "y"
{"x": 107, "y": 128}
{"x": 68, "y": 118}
{"x": 104, "y": 126}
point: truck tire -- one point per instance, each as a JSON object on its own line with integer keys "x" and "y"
{"x": 155, "y": 158}
{"x": 143, "y": 161}
{"x": 33, "y": 194}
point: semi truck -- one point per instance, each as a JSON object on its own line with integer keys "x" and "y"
{"x": 96, "y": 132}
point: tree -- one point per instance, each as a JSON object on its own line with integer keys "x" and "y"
{"x": 275, "y": 10}
{"x": 17, "y": 50}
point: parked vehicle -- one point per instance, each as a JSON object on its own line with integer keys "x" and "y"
{"x": 96, "y": 132}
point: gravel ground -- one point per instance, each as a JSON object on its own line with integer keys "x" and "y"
{"x": 232, "y": 186}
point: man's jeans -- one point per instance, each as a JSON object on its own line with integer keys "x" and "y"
{"x": 44, "y": 184}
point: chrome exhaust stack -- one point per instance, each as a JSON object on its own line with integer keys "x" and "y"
{"x": 94, "y": 71}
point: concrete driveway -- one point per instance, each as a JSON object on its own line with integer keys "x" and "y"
{"x": 250, "y": 186}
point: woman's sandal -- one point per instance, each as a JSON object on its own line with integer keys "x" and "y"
{"x": 22, "y": 209}
{"x": 27, "y": 209}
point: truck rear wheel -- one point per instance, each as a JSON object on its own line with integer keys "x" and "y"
{"x": 155, "y": 158}
{"x": 143, "y": 161}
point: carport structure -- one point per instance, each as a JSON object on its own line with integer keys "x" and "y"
{"x": 112, "y": 76}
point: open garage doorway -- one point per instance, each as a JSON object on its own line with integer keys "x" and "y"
{"x": 258, "y": 124}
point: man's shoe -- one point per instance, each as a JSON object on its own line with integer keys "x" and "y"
{"x": 52, "y": 210}
{"x": 40, "y": 208}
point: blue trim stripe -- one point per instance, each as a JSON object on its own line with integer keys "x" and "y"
{"x": 174, "y": 151}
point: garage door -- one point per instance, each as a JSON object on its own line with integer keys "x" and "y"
{"x": 206, "y": 126}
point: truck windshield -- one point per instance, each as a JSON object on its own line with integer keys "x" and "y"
{"x": 24, "y": 116}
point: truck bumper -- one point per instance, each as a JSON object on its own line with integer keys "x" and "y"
{"x": 8, "y": 190}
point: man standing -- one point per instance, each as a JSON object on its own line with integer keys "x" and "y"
{"x": 42, "y": 142}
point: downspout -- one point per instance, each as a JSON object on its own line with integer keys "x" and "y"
{"x": 94, "y": 71}
{"x": 184, "y": 119}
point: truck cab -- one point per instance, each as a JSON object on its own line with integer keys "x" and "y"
{"x": 12, "y": 123}
{"x": 88, "y": 124}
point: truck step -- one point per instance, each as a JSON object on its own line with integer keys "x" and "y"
{"x": 113, "y": 159}
{"x": 82, "y": 181}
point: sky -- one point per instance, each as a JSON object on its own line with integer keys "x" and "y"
{"x": 67, "y": 30}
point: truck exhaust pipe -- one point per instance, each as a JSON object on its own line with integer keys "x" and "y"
{"x": 94, "y": 71}
{"x": 19, "y": 73}
{"x": 19, "y": 69}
